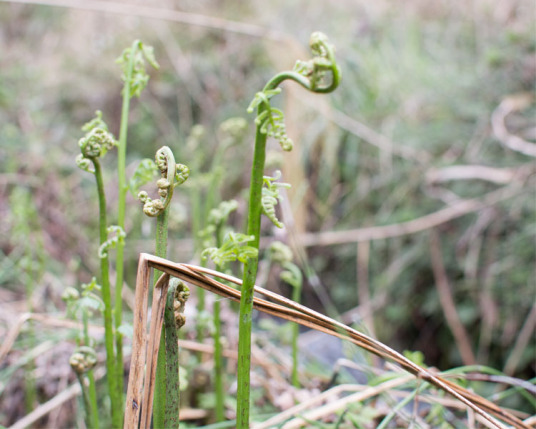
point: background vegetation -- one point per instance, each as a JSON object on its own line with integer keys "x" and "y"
{"x": 432, "y": 96}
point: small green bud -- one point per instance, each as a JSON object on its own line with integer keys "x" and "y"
{"x": 70, "y": 294}
{"x": 83, "y": 359}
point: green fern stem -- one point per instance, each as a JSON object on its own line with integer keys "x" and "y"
{"x": 296, "y": 295}
{"x": 111, "y": 367}
{"x": 159, "y": 402}
{"x": 121, "y": 210}
{"x": 250, "y": 275}
{"x": 310, "y": 75}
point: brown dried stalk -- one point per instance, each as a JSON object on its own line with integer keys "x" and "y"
{"x": 280, "y": 307}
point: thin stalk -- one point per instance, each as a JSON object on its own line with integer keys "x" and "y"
{"x": 86, "y": 398}
{"x": 296, "y": 295}
{"x": 121, "y": 210}
{"x": 218, "y": 365}
{"x": 159, "y": 402}
{"x": 92, "y": 414}
{"x": 387, "y": 419}
{"x": 197, "y": 226}
{"x": 218, "y": 352}
{"x": 111, "y": 367}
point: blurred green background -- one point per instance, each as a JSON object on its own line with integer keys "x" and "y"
{"x": 435, "y": 95}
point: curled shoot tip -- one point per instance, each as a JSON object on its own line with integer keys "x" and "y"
{"x": 233, "y": 248}
{"x": 280, "y": 253}
{"x": 116, "y": 235}
{"x": 219, "y": 215}
{"x": 132, "y": 61}
{"x": 270, "y": 197}
{"x": 182, "y": 293}
{"x": 96, "y": 122}
{"x": 292, "y": 275}
{"x": 172, "y": 175}
{"x": 322, "y": 70}
{"x": 83, "y": 359}
{"x": 233, "y": 130}
{"x": 95, "y": 144}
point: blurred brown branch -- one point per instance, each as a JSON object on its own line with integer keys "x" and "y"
{"x": 416, "y": 225}
{"x": 246, "y": 29}
{"x": 501, "y": 176}
{"x": 509, "y": 105}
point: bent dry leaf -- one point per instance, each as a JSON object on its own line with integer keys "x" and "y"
{"x": 279, "y": 307}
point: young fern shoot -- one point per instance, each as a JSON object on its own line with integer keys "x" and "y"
{"x": 133, "y": 62}
{"x": 80, "y": 305}
{"x": 321, "y": 75}
{"x": 227, "y": 249}
{"x": 165, "y": 408}
{"x": 93, "y": 146}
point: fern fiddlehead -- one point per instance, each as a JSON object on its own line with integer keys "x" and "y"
{"x": 80, "y": 305}
{"x": 172, "y": 175}
{"x": 94, "y": 145}
{"x": 320, "y": 75}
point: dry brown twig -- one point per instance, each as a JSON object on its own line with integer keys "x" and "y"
{"x": 280, "y": 307}
{"x": 521, "y": 343}
{"x": 447, "y": 301}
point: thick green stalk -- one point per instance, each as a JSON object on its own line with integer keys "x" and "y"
{"x": 111, "y": 367}
{"x": 311, "y": 76}
{"x": 248, "y": 281}
{"x": 121, "y": 210}
{"x": 171, "y": 413}
{"x": 159, "y": 402}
